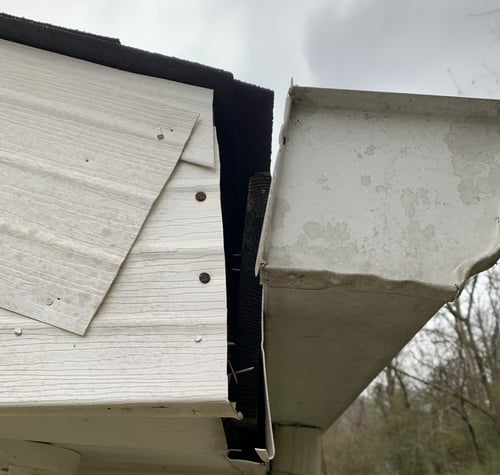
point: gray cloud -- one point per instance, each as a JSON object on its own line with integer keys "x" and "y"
{"x": 428, "y": 46}
{"x": 425, "y": 46}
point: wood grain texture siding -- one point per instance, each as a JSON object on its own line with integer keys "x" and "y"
{"x": 29, "y": 73}
{"x": 141, "y": 349}
{"x": 80, "y": 170}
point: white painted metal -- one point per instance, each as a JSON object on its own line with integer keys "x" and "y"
{"x": 270, "y": 451}
{"x": 298, "y": 451}
{"x": 381, "y": 206}
{"x": 80, "y": 172}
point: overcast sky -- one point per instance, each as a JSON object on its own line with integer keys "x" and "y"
{"x": 428, "y": 46}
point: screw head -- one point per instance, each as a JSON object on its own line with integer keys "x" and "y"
{"x": 49, "y": 301}
{"x": 198, "y": 338}
{"x": 201, "y": 196}
{"x": 204, "y": 278}
{"x": 18, "y": 331}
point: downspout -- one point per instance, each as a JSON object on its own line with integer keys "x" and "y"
{"x": 298, "y": 450}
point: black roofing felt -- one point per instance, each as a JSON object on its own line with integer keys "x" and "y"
{"x": 242, "y": 115}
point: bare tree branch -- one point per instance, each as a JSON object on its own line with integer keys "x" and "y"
{"x": 445, "y": 390}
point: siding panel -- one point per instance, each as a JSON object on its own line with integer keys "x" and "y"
{"x": 141, "y": 350}
{"x": 80, "y": 168}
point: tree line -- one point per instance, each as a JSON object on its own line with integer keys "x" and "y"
{"x": 435, "y": 409}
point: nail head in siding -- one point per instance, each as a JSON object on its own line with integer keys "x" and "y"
{"x": 201, "y": 196}
{"x": 204, "y": 278}
{"x": 18, "y": 331}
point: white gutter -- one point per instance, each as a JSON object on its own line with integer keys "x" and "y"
{"x": 382, "y": 205}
